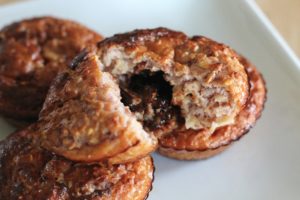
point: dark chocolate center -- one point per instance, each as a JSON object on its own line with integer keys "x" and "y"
{"x": 149, "y": 96}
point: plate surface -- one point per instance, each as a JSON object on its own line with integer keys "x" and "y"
{"x": 263, "y": 165}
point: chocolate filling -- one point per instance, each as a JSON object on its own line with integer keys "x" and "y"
{"x": 149, "y": 96}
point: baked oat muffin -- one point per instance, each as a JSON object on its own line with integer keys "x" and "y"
{"x": 194, "y": 94}
{"x": 32, "y": 51}
{"x": 30, "y": 172}
{"x": 83, "y": 118}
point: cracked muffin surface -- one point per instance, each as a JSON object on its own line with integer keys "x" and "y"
{"x": 32, "y": 52}
{"x": 193, "y": 93}
{"x": 27, "y": 171}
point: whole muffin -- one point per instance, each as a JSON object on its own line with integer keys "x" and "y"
{"x": 27, "y": 171}
{"x": 32, "y": 52}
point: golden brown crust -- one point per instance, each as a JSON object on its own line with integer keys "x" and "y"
{"x": 32, "y": 52}
{"x": 196, "y": 145}
{"x": 29, "y": 172}
{"x": 83, "y": 118}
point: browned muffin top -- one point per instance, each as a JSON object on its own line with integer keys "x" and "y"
{"x": 29, "y": 172}
{"x": 197, "y": 81}
{"x": 32, "y": 52}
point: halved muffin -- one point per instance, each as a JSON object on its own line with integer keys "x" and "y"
{"x": 83, "y": 118}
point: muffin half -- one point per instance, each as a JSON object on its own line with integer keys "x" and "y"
{"x": 83, "y": 118}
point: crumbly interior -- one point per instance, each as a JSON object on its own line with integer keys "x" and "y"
{"x": 149, "y": 97}
{"x": 210, "y": 88}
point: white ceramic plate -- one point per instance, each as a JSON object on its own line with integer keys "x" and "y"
{"x": 265, "y": 164}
